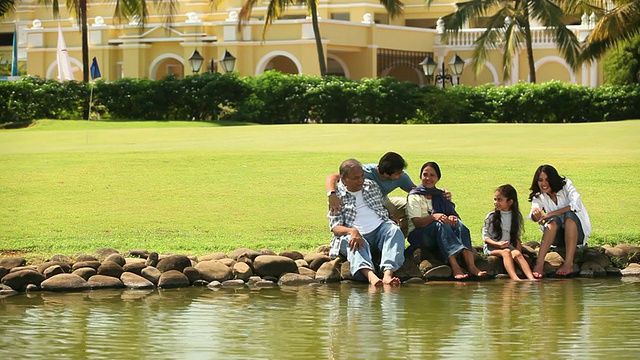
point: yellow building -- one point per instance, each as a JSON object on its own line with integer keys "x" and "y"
{"x": 359, "y": 39}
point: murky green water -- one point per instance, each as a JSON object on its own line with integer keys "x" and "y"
{"x": 552, "y": 319}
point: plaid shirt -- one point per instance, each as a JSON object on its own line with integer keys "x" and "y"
{"x": 371, "y": 195}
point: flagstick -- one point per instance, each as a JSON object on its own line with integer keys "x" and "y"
{"x": 89, "y": 116}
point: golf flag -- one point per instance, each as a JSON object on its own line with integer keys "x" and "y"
{"x": 64, "y": 63}
{"x": 14, "y": 58}
{"x": 95, "y": 70}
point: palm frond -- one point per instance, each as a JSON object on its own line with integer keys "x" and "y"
{"x": 394, "y": 7}
{"x": 622, "y": 23}
{"x": 6, "y": 6}
{"x": 468, "y": 10}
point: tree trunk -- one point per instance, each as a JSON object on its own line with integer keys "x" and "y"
{"x": 527, "y": 37}
{"x": 316, "y": 33}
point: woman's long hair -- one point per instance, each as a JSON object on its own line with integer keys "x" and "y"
{"x": 555, "y": 180}
{"x": 517, "y": 224}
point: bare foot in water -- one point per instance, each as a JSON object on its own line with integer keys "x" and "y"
{"x": 374, "y": 279}
{"x": 537, "y": 273}
{"x": 461, "y": 276}
{"x": 388, "y": 280}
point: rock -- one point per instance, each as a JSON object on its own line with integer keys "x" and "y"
{"x": 308, "y": 272}
{"x": 31, "y": 288}
{"x": 596, "y": 269}
{"x": 65, "y": 282}
{"x": 110, "y": 268}
{"x": 85, "y": 257}
{"x": 613, "y": 271}
{"x": 214, "y": 270}
{"x": 116, "y": 258}
{"x": 264, "y": 251}
{"x": 18, "y": 280}
{"x": 104, "y": 282}
{"x": 192, "y": 274}
{"x": 632, "y": 270}
{"x": 138, "y": 253}
{"x": 409, "y": 269}
{"x": 214, "y": 256}
{"x": 85, "y": 272}
{"x": 323, "y": 249}
{"x": 152, "y": 259}
{"x": 596, "y": 255}
{"x": 53, "y": 271}
{"x": 200, "y": 282}
{"x": 328, "y": 272}
{"x": 292, "y": 279}
{"x": 173, "y": 279}
{"x": 310, "y": 257}
{"x": 274, "y": 265}
{"x": 151, "y": 273}
{"x": 228, "y": 262}
{"x": 62, "y": 258}
{"x": 301, "y": 263}
{"x": 3, "y": 271}
{"x": 102, "y": 254}
{"x": 495, "y": 265}
{"x": 214, "y": 285}
{"x": 554, "y": 258}
{"x": 134, "y": 281}
{"x": 242, "y": 271}
{"x": 90, "y": 263}
{"x": 10, "y": 263}
{"x": 264, "y": 284}
{"x": 345, "y": 271}
{"x": 251, "y": 254}
{"x": 438, "y": 272}
{"x": 318, "y": 261}
{"x": 134, "y": 267}
{"x": 63, "y": 265}
{"x": 6, "y": 291}
{"x": 292, "y": 254}
{"x": 174, "y": 262}
{"x": 233, "y": 283}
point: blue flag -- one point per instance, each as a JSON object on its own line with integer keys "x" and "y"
{"x": 95, "y": 70}
{"x": 14, "y": 60}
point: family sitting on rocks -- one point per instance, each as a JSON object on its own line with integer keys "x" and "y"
{"x": 363, "y": 218}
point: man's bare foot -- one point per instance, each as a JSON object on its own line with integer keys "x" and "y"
{"x": 374, "y": 279}
{"x": 537, "y": 272}
{"x": 565, "y": 270}
{"x": 391, "y": 281}
{"x": 460, "y": 276}
{"x": 477, "y": 272}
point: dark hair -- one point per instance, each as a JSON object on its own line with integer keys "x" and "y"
{"x": 347, "y": 166}
{"x": 555, "y": 180}
{"x": 391, "y": 163}
{"x": 434, "y": 166}
{"x": 510, "y": 193}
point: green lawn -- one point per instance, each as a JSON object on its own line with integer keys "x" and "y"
{"x": 188, "y": 187}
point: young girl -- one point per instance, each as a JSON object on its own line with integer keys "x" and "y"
{"x": 502, "y": 229}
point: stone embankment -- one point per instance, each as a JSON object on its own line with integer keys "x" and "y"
{"x": 140, "y": 269}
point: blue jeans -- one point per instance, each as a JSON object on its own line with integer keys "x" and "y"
{"x": 450, "y": 240}
{"x": 387, "y": 239}
{"x": 560, "y": 219}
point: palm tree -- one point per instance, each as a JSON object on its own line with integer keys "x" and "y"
{"x": 615, "y": 25}
{"x": 6, "y": 6}
{"x": 277, "y": 7}
{"x": 509, "y": 27}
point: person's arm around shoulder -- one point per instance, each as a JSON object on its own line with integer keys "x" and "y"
{"x": 414, "y": 212}
{"x": 335, "y": 205}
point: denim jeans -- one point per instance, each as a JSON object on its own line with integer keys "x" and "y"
{"x": 450, "y": 240}
{"x": 387, "y": 239}
{"x": 560, "y": 219}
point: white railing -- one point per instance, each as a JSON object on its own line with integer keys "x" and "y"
{"x": 540, "y": 36}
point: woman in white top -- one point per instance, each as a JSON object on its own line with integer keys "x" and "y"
{"x": 563, "y": 219}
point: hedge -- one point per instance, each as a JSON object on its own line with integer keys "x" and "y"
{"x": 273, "y": 97}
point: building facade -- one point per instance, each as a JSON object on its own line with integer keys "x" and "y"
{"x": 359, "y": 40}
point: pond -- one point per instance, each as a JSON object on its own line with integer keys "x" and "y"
{"x": 499, "y": 319}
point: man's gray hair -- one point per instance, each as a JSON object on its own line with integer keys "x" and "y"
{"x": 347, "y": 166}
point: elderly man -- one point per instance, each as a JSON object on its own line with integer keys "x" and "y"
{"x": 362, "y": 224}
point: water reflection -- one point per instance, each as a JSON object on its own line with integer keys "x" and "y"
{"x": 550, "y": 319}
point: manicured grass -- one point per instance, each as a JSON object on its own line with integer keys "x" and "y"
{"x": 188, "y": 187}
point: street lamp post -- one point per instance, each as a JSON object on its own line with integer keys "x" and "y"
{"x": 429, "y": 67}
{"x": 196, "y": 61}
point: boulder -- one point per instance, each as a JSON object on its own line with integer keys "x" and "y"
{"x": 133, "y": 281}
{"x": 265, "y": 251}
{"x": 174, "y": 262}
{"x": 6, "y": 291}
{"x": 3, "y": 271}
{"x": 53, "y": 271}
{"x": 632, "y": 270}
{"x": 214, "y": 270}
{"x": 230, "y": 262}
{"x": 251, "y": 254}
{"x": 104, "y": 282}
{"x": 85, "y": 257}
{"x": 116, "y": 258}
{"x": 438, "y": 272}
{"x": 345, "y": 271}
{"x": 102, "y": 254}
{"x": 241, "y": 271}
{"x": 409, "y": 269}
{"x": 312, "y": 256}
{"x": 310, "y": 273}
{"x": 292, "y": 279}
{"x": 323, "y": 249}
{"x": 10, "y": 263}
{"x": 152, "y": 259}
{"x": 62, "y": 258}
{"x": 328, "y": 272}
{"x": 192, "y": 274}
{"x": 150, "y": 273}
{"x": 19, "y": 280}
{"x": 592, "y": 269}
{"x": 85, "y": 272}
{"x": 318, "y": 261}
{"x": 63, "y": 265}
{"x": 233, "y": 283}
{"x": 292, "y": 254}
{"x": 89, "y": 263}
{"x": 173, "y": 279}
{"x": 137, "y": 253}
{"x": 110, "y": 268}
{"x": 134, "y": 267}
{"x": 213, "y": 256}
{"x": 65, "y": 282}
{"x": 301, "y": 263}
{"x": 274, "y": 265}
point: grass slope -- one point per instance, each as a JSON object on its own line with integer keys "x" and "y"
{"x": 188, "y": 187}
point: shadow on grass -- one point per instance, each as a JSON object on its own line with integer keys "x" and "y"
{"x": 16, "y": 125}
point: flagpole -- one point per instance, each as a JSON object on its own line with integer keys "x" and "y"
{"x": 95, "y": 74}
